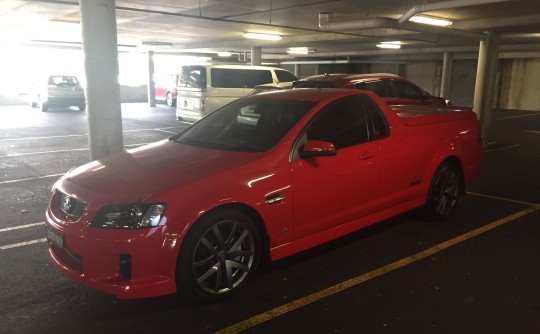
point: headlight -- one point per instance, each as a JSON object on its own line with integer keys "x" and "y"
{"x": 129, "y": 216}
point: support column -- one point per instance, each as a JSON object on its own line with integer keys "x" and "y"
{"x": 297, "y": 70}
{"x": 256, "y": 56}
{"x": 446, "y": 75}
{"x": 151, "y": 84}
{"x": 488, "y": 57}
{"x": 98, "y": 21}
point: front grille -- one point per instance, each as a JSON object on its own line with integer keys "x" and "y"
{"x": 71, "y": 206}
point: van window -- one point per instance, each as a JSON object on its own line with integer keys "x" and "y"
{"x": 285, "y": 76}
{"x": 192, "y": 77}
{"x": 239, "y": 78}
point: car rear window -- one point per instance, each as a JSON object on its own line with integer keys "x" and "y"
{"x": 313, "y": 84}
{"x": 239, "y": 78}
{"x": 285, "y": 76}
{"x": 192, "y": 77}
{"x": 60, "y": 81}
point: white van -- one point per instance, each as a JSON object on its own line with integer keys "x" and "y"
{"x": 204, "y": 88}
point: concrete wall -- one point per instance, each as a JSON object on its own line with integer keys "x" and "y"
{"x": 520, "y": 84}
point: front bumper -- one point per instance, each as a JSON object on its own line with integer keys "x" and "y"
{"x": 126, "y": 263}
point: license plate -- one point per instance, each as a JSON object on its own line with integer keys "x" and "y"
{"x": 55, "y": 238}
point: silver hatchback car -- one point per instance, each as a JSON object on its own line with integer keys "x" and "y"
{"x": 58, "y": 91}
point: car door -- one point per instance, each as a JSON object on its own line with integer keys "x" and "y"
{"x": 333, "y": 190}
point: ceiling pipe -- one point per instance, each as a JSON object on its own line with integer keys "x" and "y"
{"x": 428, "y": 7}
{"x": 388, "y": 23}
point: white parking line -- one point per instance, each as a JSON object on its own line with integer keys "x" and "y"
{"x": 518, "y": 116}
{"x": 85, "y": 134}
{"x": 7, "y": 229}
{"x": 32, "y": 178}
{"x": 42, "y": 152}
{"x": 21, "y": 244}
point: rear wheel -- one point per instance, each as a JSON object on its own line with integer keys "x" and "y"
{"x": 219, "y": 255}
{"x": 82, "y": 107}
{"x": 443, "y": 192}
{"x": 170, "y": 100}
{"x": 44, "y": 107}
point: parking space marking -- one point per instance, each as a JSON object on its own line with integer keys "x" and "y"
{"x": 32, "y": 178}
{"x": 21, "y": 244}
{"x": 518, "y": 116}
{"x": 280, "y": 310}
{"x": 502, "y": 199}
{"x": 86, "y": 134}
{"x": 42, "y": 152}
{"x": 7, "y": 229}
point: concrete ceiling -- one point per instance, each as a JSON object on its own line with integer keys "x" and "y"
{"x": 209, "y": 26}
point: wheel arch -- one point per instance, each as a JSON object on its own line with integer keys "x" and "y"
{"x": 255, "y": 217}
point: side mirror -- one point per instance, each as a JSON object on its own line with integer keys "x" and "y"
{"x": 317, "y": 148}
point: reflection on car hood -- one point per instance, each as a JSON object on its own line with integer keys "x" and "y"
{"x": 154, "y": 168}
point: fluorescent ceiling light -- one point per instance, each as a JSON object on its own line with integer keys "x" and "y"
{"x": 224, "y": 54}
{"x": 389, "y": 45}
{"x": 299, "y": 51}
{"x": 434, "y": 21}
{"x": 267, "y": 37}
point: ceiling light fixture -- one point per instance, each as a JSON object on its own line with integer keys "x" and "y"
{"x": 434, "y": 21}
{"x": 299, "y": 51}
{"x": 390, "y": 45}
{"x": 224, "y": 54}
{"x": 266, "y": 37}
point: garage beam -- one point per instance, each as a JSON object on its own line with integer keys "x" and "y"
{"x": 98, "y": 21}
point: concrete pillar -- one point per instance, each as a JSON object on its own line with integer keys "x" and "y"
{"x": 488, "y": 57}
{"x": 297, "y": 70}
{"x": 256, "y": 56}
{"x": 98, "y": 21}
{"x": 151, "y": 83}
{"x": 446, "y": 75}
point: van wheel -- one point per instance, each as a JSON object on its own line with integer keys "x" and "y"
{"x": 33, "y": 104}
{"x": 82, "y": 107}
{"x": 44, "y": 107}
{"x": 443, "y": 192}
{"x": 219, "y": 255}
{"x": 171, "y": 102}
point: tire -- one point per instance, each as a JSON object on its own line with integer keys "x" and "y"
{"x": 82, "y": 107}
{"x": 218, "y": 256}
{"x": 33, "y": 104}
{"x": 171, "y": 102}
{"x": 443, "y": 192}
{"x": 44, "y": 107}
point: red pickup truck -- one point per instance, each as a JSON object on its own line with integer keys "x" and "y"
{"x": 265, "y": 176}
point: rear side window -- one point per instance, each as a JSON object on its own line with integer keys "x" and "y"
{"x": 285, "y": 76}
{"x": 406, "y": 90}
{"x": 379, "y": 87}
{"x": 313, "y": 84}
{"x": 239, "y": 78}
{"x": 192, "y": 77}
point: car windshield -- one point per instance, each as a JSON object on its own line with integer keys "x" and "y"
{"x": 246, "y": 125}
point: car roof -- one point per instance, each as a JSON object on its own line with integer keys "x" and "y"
{"x": 307, "y": 94}
{"x": 341, "y": 76}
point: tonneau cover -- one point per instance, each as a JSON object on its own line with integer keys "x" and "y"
{"x": 418, "y": 115}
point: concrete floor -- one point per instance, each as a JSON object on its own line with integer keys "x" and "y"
{"x": 477, "y": 272}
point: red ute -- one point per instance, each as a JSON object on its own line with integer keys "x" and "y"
{"x": 165, "y": 89}
{"x": 393, "y": 89}
{"x": 267, "y": 175}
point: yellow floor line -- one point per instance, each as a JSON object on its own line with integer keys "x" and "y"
{"x": 263, "y": 317}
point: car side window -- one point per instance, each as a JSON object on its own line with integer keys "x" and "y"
{"x": 343, "y": 123}
{"x": 380, "y": 87}
{"x": 405, "y": 90}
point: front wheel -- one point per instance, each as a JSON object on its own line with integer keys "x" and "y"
{"x": 171, "y": 102}
{"x": 443, "y": 192}
{"x": 219, "y": 255}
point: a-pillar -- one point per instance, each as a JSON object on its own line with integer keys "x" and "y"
{"x": 98, "y": 21}
{"x": 256, "y": 56}
{"x": 151, "y": 84}
{"x": 446, "y": 75}
{"x": 297, "y": 70}
{"x": 488, "y": 57}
